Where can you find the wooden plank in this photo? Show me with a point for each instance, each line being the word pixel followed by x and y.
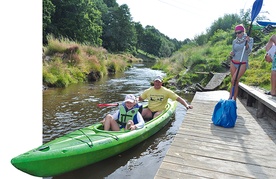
pixel 203 150
pixel 215 81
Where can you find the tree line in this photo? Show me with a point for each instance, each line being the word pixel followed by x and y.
pixel 103 23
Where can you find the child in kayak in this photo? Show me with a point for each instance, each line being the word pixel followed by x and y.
pixel 128 116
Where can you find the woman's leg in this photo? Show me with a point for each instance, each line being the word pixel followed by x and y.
pixel 232 71
pixel 233 75
pixel 273 83
pixel 273 39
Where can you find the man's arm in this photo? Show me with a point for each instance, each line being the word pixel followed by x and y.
pixel 184 103
pixel 140 98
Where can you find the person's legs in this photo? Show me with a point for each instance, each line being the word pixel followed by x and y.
pixel 234 71
pixel 157 113
pixel 147 114
pixel 110 123
pixel 273 83
pixel 270 43
pixel 273 39
pixel 273 76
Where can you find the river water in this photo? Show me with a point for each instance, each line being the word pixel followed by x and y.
pixel 75 107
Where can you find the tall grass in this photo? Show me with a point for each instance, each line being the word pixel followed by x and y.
pixel 66 62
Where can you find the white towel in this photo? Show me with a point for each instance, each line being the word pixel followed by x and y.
pixel 271 52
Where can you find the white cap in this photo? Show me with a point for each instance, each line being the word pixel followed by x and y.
pixel 158 78
pixel 130 98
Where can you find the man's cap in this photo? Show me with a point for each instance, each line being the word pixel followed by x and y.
pixel 158 78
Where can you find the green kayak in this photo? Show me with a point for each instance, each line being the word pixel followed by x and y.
pixel 86 146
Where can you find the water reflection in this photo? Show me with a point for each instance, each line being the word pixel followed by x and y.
pixel 74 107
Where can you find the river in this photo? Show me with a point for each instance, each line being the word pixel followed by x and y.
pixel 75 107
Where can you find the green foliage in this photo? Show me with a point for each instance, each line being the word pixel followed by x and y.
pixel 54 75
pixel 48 10
pixel 223 24
pixel 119 32
pixel 201 39
pixel 187 80
pixel 214 66
pixel 77 74
pixel 258 74
pixel 73 19
pixel 69 62
pixel 114 66
pixel 220 37
pixel 151 42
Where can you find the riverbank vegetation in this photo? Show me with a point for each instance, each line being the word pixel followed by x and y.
pixel 113 41
pixel 66 62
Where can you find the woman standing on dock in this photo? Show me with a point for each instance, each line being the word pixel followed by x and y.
pixel 241 48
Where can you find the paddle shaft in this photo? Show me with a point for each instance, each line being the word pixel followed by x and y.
pixel 255 11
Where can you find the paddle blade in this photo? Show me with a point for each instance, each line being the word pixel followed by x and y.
pixel 257 6
pixel 106 105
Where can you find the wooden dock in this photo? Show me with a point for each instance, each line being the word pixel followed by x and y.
pixel 202 150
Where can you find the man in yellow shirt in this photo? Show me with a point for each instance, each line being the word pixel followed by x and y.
pixel 158 96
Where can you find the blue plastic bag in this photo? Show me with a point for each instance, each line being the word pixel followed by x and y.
pixel 225 113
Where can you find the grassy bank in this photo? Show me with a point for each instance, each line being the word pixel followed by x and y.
pixel 66 62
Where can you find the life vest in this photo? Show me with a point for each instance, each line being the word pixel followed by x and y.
pixel 125 116
pixel 137 105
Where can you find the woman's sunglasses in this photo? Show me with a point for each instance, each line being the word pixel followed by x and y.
pixel 238 32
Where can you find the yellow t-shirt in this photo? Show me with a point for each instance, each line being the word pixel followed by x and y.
pixel 158 98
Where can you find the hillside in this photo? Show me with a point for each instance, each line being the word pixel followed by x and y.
pixel 192 62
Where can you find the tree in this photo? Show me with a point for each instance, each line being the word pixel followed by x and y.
pixel 140 32
pixel 223 23
pixel 118 30
pixel 151 41
pixel 78 20
pixel 48 10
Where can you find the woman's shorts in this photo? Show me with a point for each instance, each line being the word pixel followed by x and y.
pixel 236 64
pixel 273 68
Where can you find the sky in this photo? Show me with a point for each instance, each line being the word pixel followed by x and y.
pixel 183 19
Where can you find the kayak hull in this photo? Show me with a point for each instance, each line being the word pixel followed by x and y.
pixel 86 146
pixel 266 23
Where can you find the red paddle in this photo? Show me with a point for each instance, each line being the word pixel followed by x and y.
pixel 110 104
